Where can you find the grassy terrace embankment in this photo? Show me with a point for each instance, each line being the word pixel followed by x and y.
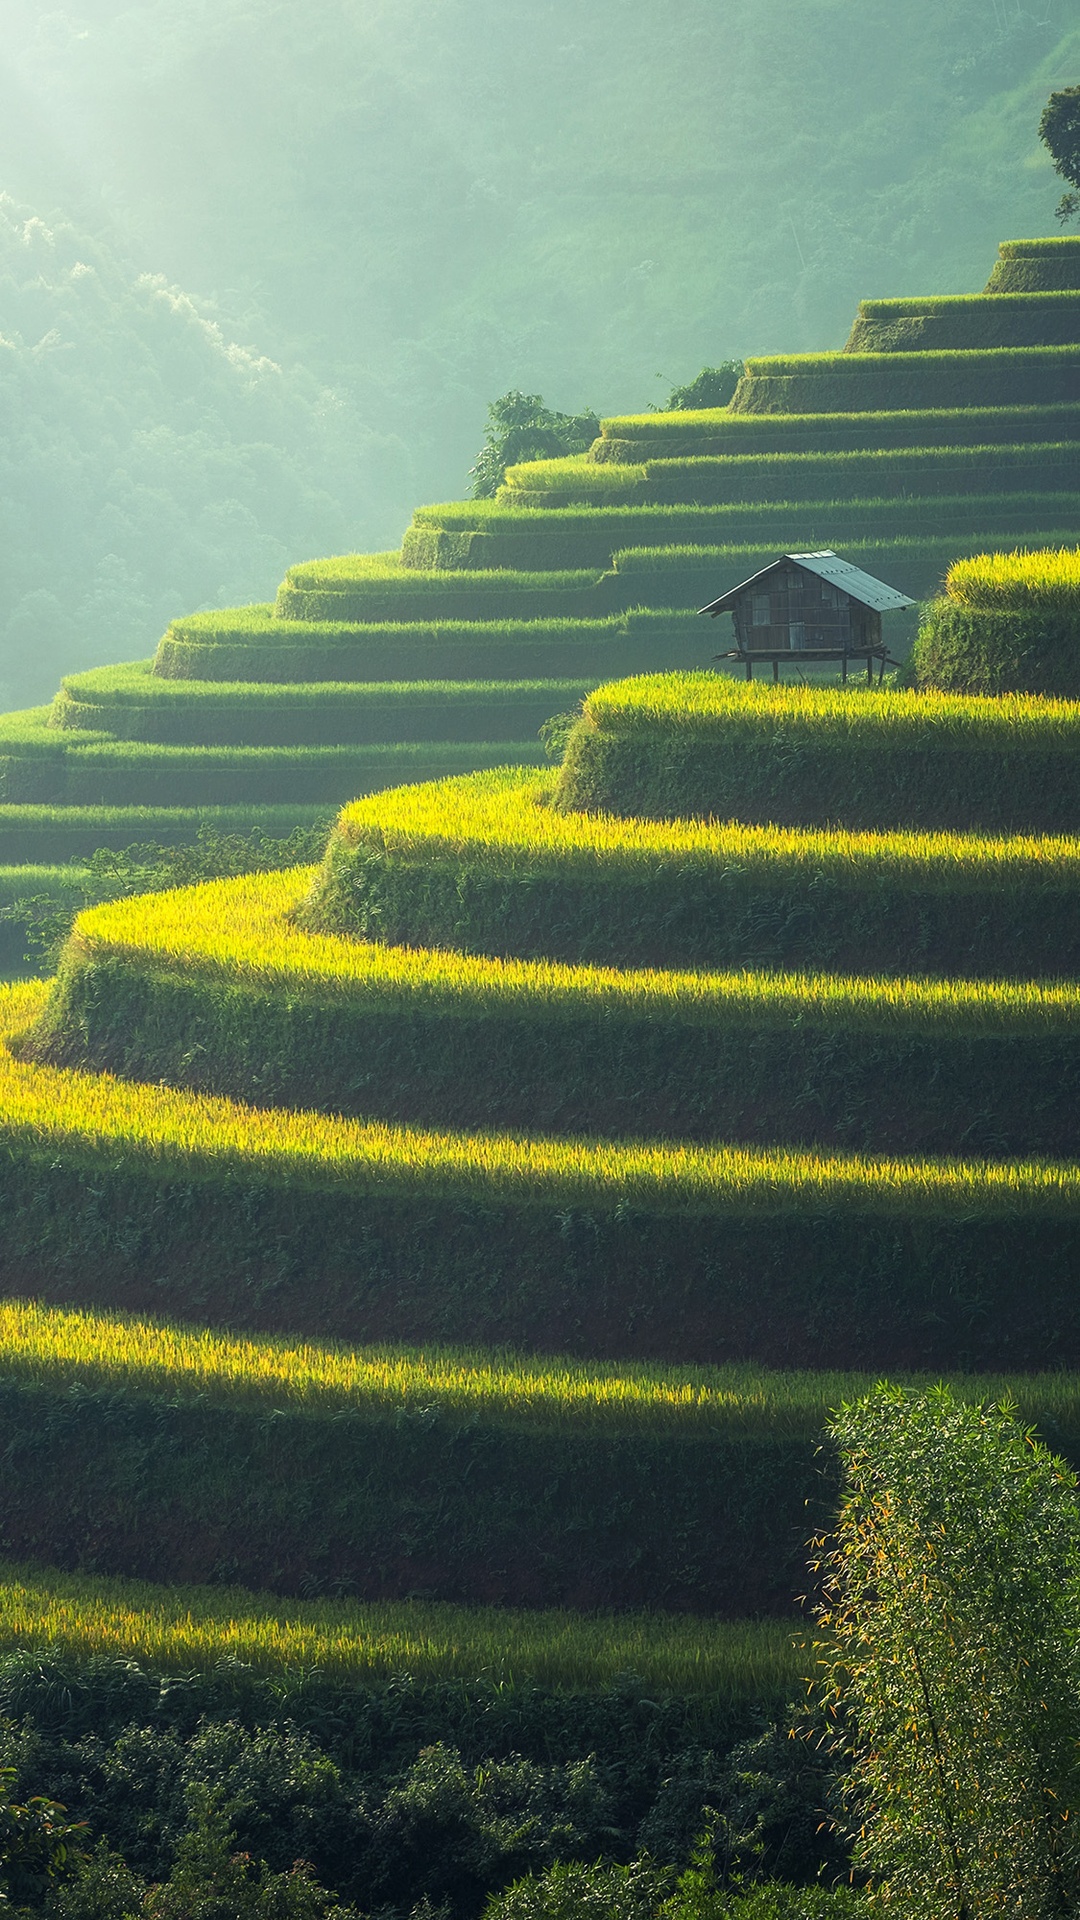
pixel 701 745
pixel 1005 620
pixel 894 382
pixel 279 1219
pixel 659 436
pixel 966 321
pixel 178 1629
pixel 695 1486
pixel 488 864
pixel 493 535
pixel 836 478
pixel 132 703
pixel 216 989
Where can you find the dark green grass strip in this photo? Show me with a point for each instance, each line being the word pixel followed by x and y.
pixel 385 1499
pixel 132 773
pixel 487 650
pixel 592 534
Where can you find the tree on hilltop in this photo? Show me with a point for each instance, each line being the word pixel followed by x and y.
pixel 1059 130
pixel 520 427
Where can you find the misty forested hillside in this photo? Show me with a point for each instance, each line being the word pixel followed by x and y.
pixel 262 267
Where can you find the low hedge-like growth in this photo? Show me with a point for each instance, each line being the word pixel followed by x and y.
pixel 855 382
pixel 644 436
pixel 215 989
pixel 155 1200
pixel 967 320
pixel 131 703
pixel 488 864
pixel 705 746
pixel 1036 266
pixel 981 652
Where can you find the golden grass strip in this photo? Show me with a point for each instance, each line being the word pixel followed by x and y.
pixel 183 1628
pixel 62 1347
pixel 241 931
pixel 1040 582
pixel 700 702
pixel 503 818
pixel 55 1112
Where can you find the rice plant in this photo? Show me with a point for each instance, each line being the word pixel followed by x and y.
pixel 178 1628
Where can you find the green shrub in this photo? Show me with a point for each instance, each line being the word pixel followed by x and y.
pixel 520 427
pixel 712 387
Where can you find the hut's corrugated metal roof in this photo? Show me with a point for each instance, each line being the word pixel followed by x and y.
pixel 828 566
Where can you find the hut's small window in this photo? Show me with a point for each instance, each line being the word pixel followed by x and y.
pixel 761 614
pixel 797 633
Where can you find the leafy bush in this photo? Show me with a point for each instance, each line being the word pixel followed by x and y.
pixel 520 427
pixel 712 387
pixel 949 1633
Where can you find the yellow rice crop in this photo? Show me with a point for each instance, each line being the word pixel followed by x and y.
pixel 697 702
pixel 503 818
pixel 183 1628
pixel 241 930
pixel 1040 582
pixel 55 1111
pixel 122 1354
pixel 125 1354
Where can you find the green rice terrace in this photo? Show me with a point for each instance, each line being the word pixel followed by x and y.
pixel 427 1270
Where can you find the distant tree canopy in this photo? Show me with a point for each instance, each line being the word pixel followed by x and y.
pixel 713 387
pixel 1059 129
pixel 520 427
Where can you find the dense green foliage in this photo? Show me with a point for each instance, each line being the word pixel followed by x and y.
pixel 1059 130
pixel 520 427
pixel 949 1627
